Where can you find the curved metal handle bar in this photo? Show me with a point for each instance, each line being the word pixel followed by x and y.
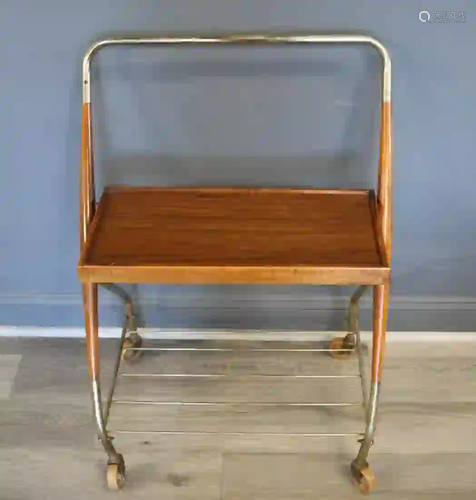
pixel 242 39
pixel 252 39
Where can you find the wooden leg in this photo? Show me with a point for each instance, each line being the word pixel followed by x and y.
pixel 381 297
pixel 90 297
pixel 359 467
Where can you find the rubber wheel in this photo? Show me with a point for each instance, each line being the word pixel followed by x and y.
pixel 129 355
pixel 338 343
pixel 365 480
pixel 116 476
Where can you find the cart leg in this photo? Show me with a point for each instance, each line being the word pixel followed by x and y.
pixel 360 470
pixel 133 340
pixel 342 347
pixel 131 352
pixel 116 466
pixel 353 321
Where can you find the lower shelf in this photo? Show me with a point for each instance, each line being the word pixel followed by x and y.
pixel 238 389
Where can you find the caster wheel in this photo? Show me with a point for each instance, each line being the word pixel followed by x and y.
pixel 129 355
pixel 364 478
pixel 116 476
pixel 338 343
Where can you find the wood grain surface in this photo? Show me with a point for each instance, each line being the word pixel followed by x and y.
pixel 87 198
pixel 232 235
pixel 385 181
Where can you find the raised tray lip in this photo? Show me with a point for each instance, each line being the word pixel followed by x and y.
pixel 115 188
pixel 269 275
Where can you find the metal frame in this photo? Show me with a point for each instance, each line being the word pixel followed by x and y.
pixel 352 341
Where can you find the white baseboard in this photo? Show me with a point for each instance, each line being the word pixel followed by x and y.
pixel 224 334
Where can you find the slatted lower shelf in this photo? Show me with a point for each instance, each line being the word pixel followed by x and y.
pixel 289 390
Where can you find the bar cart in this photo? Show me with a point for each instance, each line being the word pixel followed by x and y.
pixel 237 236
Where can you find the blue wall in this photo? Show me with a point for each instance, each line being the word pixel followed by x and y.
pixel 238 116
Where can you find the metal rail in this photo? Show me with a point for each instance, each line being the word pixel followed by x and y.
pixel 110 396
pixel 227 349
pixel 257 376
pixel 225 403
pixel 241 434
pixel 242 39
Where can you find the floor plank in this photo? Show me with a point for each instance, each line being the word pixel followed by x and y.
pixel 57 473
pixel 8 369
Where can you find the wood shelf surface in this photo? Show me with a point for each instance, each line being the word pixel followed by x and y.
pixel 234 235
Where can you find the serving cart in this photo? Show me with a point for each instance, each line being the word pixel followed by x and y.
pixel 237 236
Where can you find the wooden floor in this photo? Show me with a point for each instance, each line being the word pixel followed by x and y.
pixel 425 445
